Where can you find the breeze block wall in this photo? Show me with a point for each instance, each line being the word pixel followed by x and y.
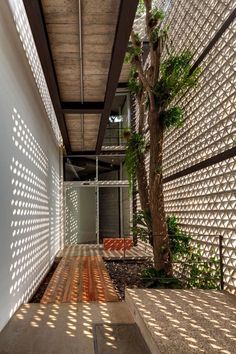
pixel 200 158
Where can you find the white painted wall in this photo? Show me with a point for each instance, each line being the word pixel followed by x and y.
pixel 29 177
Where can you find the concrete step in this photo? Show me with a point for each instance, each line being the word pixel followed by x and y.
pixel 136 311
pixel 181 321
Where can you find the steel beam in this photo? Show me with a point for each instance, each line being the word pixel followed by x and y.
pixel 123 29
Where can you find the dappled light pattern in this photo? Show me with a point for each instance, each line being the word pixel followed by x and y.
pixel 118 244
pixel 141 251
pixel 64 328
pixel 209 111
pixel 81 250
pixel 72 221
pixel 27 40
pixel 35 220
pixel 204 205
pixel 118 338
pixel 55 213
pixel 80 279
pixel 186 321
pixel 194 23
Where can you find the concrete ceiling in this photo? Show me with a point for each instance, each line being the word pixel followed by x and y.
pixel 76 84
pixel 81 45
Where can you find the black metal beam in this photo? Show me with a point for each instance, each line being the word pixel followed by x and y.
pixel 203 164
pixel 93 152
pixel 82 108
pixel 81 153
pixel 76 160
pixel 123 29
pixel 122 85
pixel 214 40
pixel 38 27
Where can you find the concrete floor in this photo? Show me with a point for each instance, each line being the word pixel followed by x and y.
pixel 171 321
pixel 59 329
pixel 185 321
pixel 141 251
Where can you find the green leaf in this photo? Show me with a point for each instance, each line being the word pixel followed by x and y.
pixel 135 147
pixel 176 78
pixel 172 117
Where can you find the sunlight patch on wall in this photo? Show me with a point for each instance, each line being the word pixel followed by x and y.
pixel 72 222
pixel 36 219
pixel 209 111
pixel 26 37
pixel 204 204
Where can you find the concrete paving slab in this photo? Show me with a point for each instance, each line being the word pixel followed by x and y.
pixel 139 252
pixel 81 250
pixel 59 329
pixel 119 339
pixel 185 321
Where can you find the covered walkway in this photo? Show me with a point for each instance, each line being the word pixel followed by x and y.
pixel 67 115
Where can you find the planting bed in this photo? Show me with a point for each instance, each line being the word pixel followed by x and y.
pixel 127 274
pixel 43 286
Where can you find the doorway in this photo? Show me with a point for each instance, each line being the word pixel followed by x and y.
pixel 80 214
pixel 97 202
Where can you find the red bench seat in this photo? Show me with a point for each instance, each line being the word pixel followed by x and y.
pixel 117 244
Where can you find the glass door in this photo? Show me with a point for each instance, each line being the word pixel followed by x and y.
pixel 80 214
pixel 114 212
pixel 97 202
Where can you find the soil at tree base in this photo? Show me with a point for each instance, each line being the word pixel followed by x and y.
pixel 127 274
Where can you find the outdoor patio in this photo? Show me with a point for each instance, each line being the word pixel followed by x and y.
pixel 171 321
pixel 117 170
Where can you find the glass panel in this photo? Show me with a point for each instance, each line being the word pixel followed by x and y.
pixel 81 168
pixel 119 121
pixel 109 223
pixel 114 212
pixel 80 215
pixel 126 211
pixel 111 168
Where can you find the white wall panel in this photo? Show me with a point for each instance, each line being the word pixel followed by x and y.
pixel 30 219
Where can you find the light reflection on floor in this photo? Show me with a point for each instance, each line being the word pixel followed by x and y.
pixel 64 328
pixel 188 321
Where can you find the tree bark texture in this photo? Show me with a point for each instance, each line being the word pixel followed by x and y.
pixel 161 250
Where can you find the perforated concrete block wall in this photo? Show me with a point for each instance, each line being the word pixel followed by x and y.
pixel 204 200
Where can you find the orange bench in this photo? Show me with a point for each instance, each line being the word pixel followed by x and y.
pixel 117 244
